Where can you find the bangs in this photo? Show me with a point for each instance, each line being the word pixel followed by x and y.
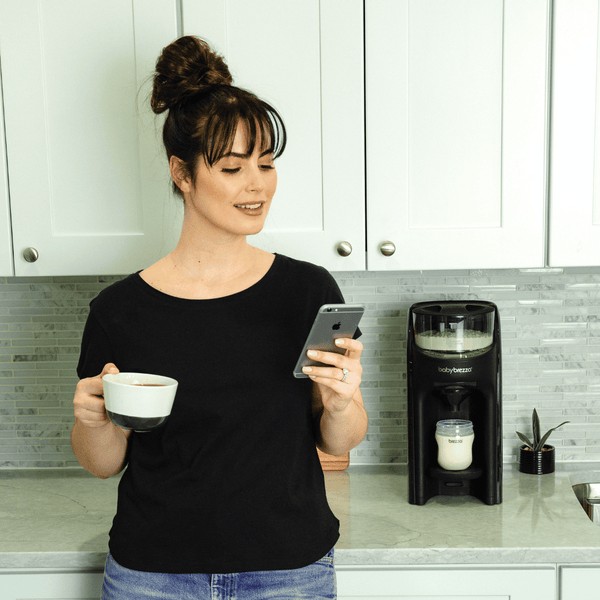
pixel 260 120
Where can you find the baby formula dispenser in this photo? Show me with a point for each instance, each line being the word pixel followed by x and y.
pixel 454 401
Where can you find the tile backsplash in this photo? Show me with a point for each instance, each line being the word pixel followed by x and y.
pixel 550 321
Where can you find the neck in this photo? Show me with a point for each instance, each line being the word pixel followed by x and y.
pixel 210 260
pixel 197 269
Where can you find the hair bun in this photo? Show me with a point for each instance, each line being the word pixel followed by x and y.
pixel 186 67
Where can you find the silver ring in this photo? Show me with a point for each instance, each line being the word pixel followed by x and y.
pixel 345 372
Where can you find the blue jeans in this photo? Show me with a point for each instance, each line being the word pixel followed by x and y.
pixel 315 582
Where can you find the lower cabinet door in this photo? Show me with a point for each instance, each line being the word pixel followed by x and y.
pixel 50 586
pixel 536 582
pixel 579 582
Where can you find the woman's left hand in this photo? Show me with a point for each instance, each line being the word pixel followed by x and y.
pixel 339 382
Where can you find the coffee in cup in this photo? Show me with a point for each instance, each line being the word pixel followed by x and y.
pixel 138 401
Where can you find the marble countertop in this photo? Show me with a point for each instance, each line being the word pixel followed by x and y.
pixel 60 518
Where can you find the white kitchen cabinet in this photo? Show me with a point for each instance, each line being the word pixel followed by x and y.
pixel 534 582
pixel 579 581
pixel 456 130
pixel 575 147
pixel 306 59
pixel 28 585
pixel 89 184
pixel 6 260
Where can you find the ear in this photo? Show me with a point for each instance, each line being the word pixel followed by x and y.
pixel 179 174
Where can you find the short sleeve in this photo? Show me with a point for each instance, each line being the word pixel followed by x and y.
pixel 96 349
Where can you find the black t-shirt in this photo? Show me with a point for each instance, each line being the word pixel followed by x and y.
pixel 232 481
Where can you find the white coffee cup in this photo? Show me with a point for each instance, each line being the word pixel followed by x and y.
pixel 138 401
pixel 455 443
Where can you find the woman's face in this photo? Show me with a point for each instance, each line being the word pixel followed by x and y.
pixel 234 195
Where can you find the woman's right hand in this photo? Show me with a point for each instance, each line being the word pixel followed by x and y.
pixel 89 399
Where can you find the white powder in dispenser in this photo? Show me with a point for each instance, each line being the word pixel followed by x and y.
pixel 455 443
pixel 463 340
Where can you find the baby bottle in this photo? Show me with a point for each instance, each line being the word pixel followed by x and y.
pixel 455 443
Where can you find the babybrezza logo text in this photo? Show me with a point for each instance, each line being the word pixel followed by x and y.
pixel 454 370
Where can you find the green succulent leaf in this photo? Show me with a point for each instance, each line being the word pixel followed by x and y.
pixel 525 439
pixel 541 443
pixel 535 424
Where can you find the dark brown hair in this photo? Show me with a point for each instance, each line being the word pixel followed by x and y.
pixel 194 85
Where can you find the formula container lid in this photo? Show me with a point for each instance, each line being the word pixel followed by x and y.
pixel 454 427
pixel 454 308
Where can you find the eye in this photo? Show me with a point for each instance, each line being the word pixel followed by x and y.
pixel 267 167
pixel 231 171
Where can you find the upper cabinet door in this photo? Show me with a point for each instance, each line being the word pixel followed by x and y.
pixel 89 182
pixel 575 147
pixel 6 259
pixel 456 105
pixel 306 59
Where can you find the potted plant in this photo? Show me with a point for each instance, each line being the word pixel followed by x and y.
pixel 536 457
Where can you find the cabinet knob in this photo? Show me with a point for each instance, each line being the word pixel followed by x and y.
pixel 30 255
pixel 344 248
pixel 387 248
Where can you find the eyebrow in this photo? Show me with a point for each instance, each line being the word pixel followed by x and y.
pixel 245 156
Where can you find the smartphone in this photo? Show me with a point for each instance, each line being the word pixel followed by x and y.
pixel 333 321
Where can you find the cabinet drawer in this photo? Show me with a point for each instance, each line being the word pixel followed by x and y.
pixel 52 586
pixel 447 583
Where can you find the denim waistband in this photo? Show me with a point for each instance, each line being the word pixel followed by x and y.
pixel 315 582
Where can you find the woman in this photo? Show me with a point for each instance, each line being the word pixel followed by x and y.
pixel 228 496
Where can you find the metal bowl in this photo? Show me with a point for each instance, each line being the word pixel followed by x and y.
pixel 588 495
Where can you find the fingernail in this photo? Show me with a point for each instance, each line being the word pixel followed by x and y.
pixel 311 353
pixel 307 369
pixel 340 342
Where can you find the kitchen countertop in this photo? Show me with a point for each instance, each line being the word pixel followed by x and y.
pixel 59 518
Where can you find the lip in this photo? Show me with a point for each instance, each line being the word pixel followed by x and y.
pixel 254 212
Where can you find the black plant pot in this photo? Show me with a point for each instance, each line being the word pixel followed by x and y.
pixel 536 463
